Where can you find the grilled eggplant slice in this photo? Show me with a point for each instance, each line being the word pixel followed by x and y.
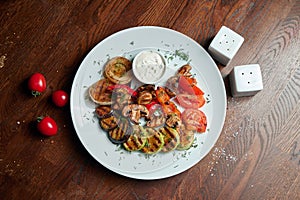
pixel 171 138
pixel 136 140
pixel 121 133
pixel 109 123
pixel 154 142
pixel 103 111
pixel 186 138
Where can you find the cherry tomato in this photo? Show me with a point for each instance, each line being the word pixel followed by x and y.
pixel 47 126
pixel 60 98
pixel 37 84
pixel 194 119
pixel 190 101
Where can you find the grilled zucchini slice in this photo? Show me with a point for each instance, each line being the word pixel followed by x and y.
pixel 171 138
pixel 103 111
pixel 136 140
pixel 186 138
pixel 154 142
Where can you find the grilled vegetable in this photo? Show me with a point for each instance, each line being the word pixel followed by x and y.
pixel 146 87
pixel 194 119
pixel 156 116
pixel 120 98
pixel 121 133
pixel 103 111
pixel 190 101
pixel 172 85
pixel 118 86
pixel 162 95
pixel 135 112
pixel 186 138
pixel 171 138
pixel 170 108
pixel 185 70
pixel 170 92
pixel 173 120
pixel 144 98
pixel 109 123
pixel 118 70
pixel 99 94
pixel 154 142
pixel 163 127
pixel 188 85
pixel 136 140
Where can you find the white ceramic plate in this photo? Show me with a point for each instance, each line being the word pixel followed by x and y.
pixel 178 49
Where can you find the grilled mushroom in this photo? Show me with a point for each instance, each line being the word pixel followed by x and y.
pixel 146 87
pixel 144 97
pixel 185 70
pixel 173 121
pixel 135 112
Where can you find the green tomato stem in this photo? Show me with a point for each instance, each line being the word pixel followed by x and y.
pixel 36 93
pixel 39 119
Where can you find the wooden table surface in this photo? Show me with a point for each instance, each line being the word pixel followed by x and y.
pixel 257 155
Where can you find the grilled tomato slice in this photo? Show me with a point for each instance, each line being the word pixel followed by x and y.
pixel 194 119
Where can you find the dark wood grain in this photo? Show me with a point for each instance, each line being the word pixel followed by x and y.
pixel 258 153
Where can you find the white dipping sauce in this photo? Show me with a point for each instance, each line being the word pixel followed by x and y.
pixel 149 66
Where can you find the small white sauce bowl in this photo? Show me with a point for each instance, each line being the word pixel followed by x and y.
pixel 149 67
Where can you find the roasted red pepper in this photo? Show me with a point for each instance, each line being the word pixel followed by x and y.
pixel 152 103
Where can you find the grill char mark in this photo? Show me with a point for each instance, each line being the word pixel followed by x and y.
pixel 170 139
pixel 154 141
